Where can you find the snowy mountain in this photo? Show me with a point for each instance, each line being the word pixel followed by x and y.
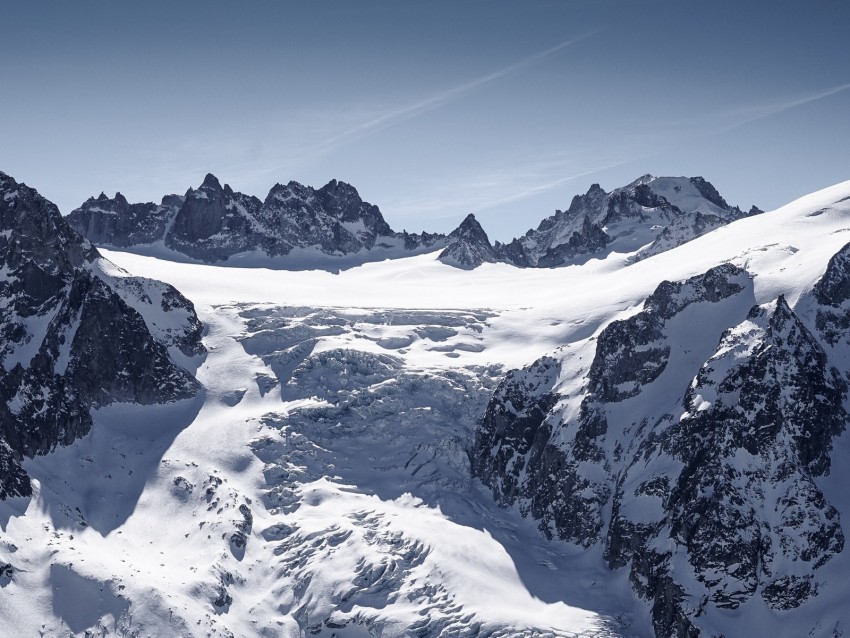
pixel 299 227
pixel 295 225
pixel 624 446
pixel 78 334
pixel 650 215
pixel 469 246
pixel 695 469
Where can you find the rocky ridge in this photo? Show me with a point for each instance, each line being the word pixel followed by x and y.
pixel 687 451
pixel 214 223
pixel 650 215
pixel 116 222
pixel 78 334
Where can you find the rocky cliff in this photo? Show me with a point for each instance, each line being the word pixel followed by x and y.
pixel 213 223
pixel 689 449
pixel 469 246
pixel 77 333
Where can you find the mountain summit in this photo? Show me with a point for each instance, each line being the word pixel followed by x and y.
pixel 470 247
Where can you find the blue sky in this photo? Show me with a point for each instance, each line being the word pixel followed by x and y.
pixel 431 109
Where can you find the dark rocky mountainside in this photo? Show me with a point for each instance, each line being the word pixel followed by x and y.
pixel 115 222
pixel 213 223
pixel 688 450
pixel 77 333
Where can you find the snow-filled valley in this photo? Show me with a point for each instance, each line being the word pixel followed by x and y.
pixel 321 484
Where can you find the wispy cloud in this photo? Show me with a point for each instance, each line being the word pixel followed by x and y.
pixel 389 117
pixel 765 110
pixel 250 156
pixel 449 95
pixel 488 189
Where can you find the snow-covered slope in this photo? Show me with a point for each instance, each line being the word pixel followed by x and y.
pixel 325 485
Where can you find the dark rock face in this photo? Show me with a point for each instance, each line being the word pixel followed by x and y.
pixel 513 426
pixel 7 572
pixel 832 293
pixel 704 490
pixel 743 512
pixel 708 191
pixel 13 479
pixel 664 212
pixel 239 538
pixel 590 239
pixel 333 218
pixel 75 337
pixel 115 222
pixel 470 247
pixel 213 222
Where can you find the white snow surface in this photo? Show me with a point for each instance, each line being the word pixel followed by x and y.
pixel 681 192
pixel 337 409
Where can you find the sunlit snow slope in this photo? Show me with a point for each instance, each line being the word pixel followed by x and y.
pixel 321 485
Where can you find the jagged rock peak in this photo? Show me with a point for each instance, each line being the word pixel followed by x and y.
pixel 40 231
pixel 717 283
pixel 595 189
pixel 833 288
pixel 211 182
pixel 174 201
pixel 10 188
pixel 470 228
pixel 643 179
pixel 651 214
pixel 117 223
pixel 290 189
pixel 830 301
pixel 340 189
pixel 708 191
pixel 470 247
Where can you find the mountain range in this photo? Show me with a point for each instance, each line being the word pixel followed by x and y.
pixel 298 226
pixel 650 442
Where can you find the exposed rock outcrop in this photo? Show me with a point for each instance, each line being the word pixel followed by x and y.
pixel 688 451
pixel 470 247
pixel 77 333
pixel 214 223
